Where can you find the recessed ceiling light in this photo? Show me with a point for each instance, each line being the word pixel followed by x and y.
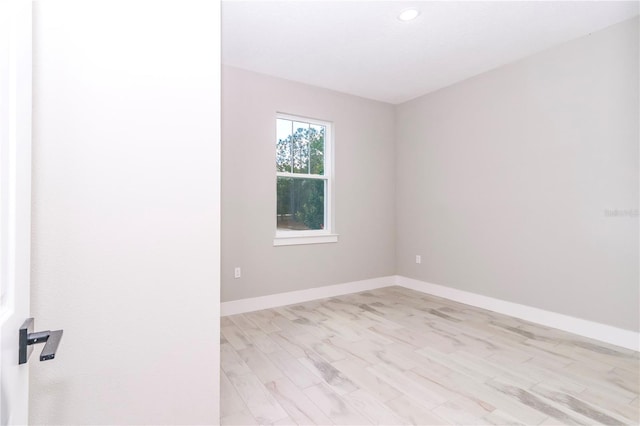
pixel 408 14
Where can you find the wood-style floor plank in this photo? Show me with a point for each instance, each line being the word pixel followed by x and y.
pixel 296 403
pixel 397 356
pixel 230 402
pixel 260 402
pixel 334 406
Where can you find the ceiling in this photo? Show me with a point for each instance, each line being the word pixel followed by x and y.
pixel 362 48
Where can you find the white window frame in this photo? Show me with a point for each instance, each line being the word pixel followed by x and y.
pixel 317 236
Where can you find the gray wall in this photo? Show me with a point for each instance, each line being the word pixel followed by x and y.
pixel 503 181
pixel 364 188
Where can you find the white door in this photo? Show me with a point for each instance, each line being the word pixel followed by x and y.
pixel 15 202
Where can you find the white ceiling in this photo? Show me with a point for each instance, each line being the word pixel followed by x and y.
pixel 361 48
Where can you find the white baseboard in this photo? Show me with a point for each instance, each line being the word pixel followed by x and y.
pixel 594 330
pixel 282 299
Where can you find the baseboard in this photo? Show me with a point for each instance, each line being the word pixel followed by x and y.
pixel 605 333
pixel 282 299
pixel 594 330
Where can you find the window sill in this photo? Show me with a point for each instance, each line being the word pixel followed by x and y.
pixel 286 240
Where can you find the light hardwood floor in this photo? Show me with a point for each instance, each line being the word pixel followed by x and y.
pixel 396 356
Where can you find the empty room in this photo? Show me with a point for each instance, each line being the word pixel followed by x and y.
pixel 319 212
pixel 449 231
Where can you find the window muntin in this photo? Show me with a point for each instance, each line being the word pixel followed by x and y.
pixel 303 178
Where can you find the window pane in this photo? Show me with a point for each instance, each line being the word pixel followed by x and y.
pixel 283 145
pixel 300 126
pixel 300 144
pixel 300 203
pixel 316 150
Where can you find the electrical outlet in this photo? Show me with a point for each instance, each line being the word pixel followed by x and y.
pixel 418 258
pixel 237 272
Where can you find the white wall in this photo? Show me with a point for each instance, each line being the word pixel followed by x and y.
pixel 126 211
pixel 364 188
pixel 503 181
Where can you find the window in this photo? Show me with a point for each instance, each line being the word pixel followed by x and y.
pixel 303 181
